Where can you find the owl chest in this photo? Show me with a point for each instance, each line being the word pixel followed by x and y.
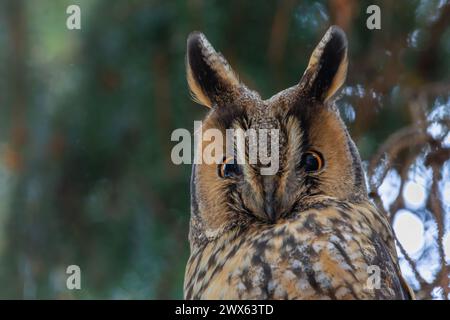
pixel 304 259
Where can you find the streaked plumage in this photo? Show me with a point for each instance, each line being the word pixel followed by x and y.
pixel 297 234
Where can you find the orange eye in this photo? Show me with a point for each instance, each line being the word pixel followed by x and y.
pixel 229 168
pixel 312 161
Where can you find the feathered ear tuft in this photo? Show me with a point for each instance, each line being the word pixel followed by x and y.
pixel 209 76
pixel 327 67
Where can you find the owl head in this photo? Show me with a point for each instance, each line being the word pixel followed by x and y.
pixel 317 158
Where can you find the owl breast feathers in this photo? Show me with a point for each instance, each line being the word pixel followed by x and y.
pixel 305 231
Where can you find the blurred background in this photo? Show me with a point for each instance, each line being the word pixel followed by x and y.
pixel 86 117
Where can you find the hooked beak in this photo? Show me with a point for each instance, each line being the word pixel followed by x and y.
pixel 272 207
pixel 271 213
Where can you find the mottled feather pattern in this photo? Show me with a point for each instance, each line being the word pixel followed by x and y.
pixel 308 231
pixel 320 253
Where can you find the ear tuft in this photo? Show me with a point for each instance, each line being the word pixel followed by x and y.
pixel 209 76
pixel 327 67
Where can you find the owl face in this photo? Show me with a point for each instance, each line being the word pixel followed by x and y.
pixel 316 158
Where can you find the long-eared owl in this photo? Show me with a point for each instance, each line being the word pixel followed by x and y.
pixel 307 231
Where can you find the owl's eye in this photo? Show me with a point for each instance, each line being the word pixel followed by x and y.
pixel 229 168
pixel 312 161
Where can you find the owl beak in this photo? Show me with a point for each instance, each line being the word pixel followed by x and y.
pixel 271 213
pixel 272 209
pixel 271 201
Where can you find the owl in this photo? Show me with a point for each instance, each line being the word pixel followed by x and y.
pixel 307 231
